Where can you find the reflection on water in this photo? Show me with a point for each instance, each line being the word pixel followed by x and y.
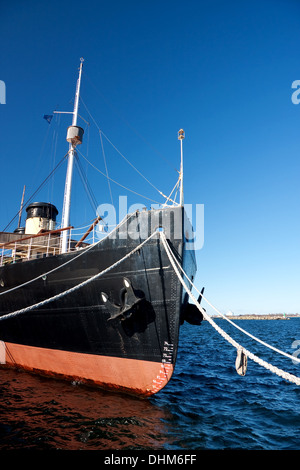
pixel 206 405
pixel 42 413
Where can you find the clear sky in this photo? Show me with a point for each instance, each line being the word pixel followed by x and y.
pixel 221 70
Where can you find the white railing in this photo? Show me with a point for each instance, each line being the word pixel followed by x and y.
pixel 47 243
pixel 32 246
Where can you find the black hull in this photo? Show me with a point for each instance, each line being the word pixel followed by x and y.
pixel 129 317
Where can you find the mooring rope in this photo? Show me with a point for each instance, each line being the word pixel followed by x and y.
pixel 274 369
pixel 82 252
pixel 78 286
pixel 174 262
pixel 234 324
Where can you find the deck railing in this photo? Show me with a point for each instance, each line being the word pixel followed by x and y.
pixel 18 248
pixel 44 244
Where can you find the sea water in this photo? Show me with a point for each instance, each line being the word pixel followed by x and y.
pixel 205 406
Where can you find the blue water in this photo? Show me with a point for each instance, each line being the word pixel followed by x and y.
pixel 206 405
pixel 214 408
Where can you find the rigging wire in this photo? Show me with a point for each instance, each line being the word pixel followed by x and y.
pixel 84 179
pixel 104 158
pixel 129 125
pixel 38 189
pixel 53 153
pixel 86 184
pixel 129 163
pixel 119 184
pixel 169 197
pixel 120 153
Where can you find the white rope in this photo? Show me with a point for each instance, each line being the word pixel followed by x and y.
pixel 82 252
pixel 234 324
pixel 78 286
pixel 173 261
pixel 276 370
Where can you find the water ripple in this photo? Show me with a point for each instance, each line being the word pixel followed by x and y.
pixel 206 405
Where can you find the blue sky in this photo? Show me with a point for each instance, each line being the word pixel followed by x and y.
pixel 221 70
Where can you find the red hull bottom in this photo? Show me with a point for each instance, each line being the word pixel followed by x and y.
pixel 136 377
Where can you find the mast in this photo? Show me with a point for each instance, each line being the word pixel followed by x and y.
pixel 181 136
pixel 21 207
pixel 74 137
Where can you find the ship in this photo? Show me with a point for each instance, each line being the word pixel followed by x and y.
pixel 105 313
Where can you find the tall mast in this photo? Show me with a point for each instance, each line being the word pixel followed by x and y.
pixel 21 207
pixel 181 136
pixel 74 137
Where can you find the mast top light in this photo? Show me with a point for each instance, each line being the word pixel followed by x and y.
pixel 181 134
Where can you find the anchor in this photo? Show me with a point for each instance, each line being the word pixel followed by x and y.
pixel 130 299
pixel 113 309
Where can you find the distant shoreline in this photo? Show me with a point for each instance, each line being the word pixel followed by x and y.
pixel 271 316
